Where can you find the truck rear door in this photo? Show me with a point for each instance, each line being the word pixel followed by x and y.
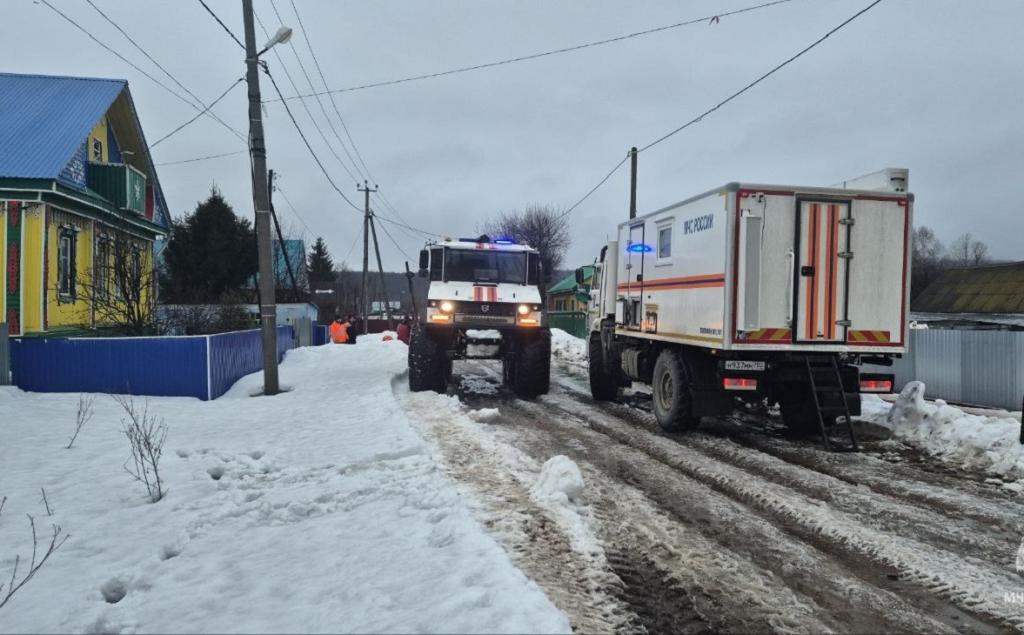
pixel 821 274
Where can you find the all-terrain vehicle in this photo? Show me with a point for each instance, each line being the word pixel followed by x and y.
pixel 484 302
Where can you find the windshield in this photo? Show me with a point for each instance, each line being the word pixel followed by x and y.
pixel 485 265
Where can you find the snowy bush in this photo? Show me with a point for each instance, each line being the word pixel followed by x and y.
pixel 56 540
pixel 82 417
pixel 146 434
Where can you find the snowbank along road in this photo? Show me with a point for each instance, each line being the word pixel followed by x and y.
pixel 733 528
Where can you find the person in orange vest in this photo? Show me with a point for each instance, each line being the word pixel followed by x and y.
pixel 339 331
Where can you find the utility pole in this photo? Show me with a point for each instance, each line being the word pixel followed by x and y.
pixel 380 268
pixel 416 313
pixel 632 183
pixel 366 252
pixel 261 203
pixel 280 239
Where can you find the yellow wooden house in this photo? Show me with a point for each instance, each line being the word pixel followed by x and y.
pixel 77 184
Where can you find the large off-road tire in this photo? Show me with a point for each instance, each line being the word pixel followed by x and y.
pixel 429 367
pixel 531 375
pixel 604 386
pixel 672 401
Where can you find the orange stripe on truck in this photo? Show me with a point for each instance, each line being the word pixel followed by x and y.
pixel 687 282
pixel 869 337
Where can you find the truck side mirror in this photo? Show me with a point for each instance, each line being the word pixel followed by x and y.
pixel 580 276
pixel 424 262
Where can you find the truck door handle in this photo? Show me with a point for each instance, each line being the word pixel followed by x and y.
pixel 806 270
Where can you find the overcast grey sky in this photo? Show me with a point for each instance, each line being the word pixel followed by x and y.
pixel 936 86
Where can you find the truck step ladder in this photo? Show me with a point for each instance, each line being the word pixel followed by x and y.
pixel 829 398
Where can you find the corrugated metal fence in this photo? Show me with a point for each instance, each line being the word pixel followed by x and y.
pixel 5 356
pixel 572 322
pixel 984 368
pixel 201 366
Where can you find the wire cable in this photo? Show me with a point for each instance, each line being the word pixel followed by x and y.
pixel 309 113
pixel 759 79
pixel 533 56
pixel 384 229
pixel 223 26
pixel 127 61
pixel 719 105
pixel 161 67
pixel 312 153
pixel 211 156
pixel 200 114
pixel 278 189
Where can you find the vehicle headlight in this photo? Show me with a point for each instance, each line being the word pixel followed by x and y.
pixel 447 306
pixel 523 309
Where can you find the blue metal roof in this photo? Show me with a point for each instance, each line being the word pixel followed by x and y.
pixel 44 120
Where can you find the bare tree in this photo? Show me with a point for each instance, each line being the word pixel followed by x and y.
pixel 928 254
pixel 542 227
pixel 56 541
pixel 146 434
pixel 121 287
pixel 83 416
pixel 966 251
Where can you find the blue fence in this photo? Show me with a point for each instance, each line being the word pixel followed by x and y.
pixel 201 366
pixel 320 336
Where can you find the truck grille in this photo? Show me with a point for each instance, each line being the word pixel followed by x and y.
pixel 461 318
pixel 494 308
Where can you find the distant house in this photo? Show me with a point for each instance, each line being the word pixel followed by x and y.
pixel 565 310
pixel 985 296
pixel 76 176
pixel 292 252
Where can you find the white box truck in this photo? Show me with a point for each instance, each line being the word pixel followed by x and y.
pixel 774 292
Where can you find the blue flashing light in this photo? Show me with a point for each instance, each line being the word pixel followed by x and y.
pixel 640 248
pixel 504 241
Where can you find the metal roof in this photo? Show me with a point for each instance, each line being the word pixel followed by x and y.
pixel 982 289
pixel 568 283
pixel 44 120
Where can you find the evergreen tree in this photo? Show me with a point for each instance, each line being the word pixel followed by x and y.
pixel 321 265
pixel 211 253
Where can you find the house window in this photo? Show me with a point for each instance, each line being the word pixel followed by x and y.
pixel 97 150
pixel 664 242
pixel 66 264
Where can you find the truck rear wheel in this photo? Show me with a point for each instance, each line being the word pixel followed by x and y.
pixel 603 385
pixel 531 374
pixel 673 405
pixel 429 367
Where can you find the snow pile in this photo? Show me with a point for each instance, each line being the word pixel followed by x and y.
pixel 317 510
pixel 990 444
pixel 567 348
pixel 560 481
pixel 484 414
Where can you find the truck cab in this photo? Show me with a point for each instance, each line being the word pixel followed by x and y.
pixel 483 302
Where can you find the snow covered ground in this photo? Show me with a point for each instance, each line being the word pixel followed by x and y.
pixel 317 510
pixel 567 348
pixel 974 441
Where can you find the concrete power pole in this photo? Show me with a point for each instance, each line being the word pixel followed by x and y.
pixel 380 268
pixel 261 202
pixel 364 301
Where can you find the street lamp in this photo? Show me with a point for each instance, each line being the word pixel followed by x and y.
pixel 261 197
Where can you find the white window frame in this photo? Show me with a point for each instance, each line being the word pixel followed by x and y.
pixel 662 225
pixel 66 264
pixel 97 157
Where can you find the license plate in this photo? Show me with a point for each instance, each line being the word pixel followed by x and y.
pixel 740 364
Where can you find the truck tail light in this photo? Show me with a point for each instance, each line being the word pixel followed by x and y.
pixel 876 385
pixel 739 383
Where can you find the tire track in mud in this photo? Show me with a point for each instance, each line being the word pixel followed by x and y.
pixel 975 587
pixel 746 571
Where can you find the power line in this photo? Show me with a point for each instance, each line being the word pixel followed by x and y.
pixel 720 104
pixel 211 156
pixel 760 79
pixel 308 146
pixel 395 243
pixel 223 26
pixel 126 60
pixel 292 207
pixel 410 227
pixel 165 71
pixel 309 113
pixel 201 113
pixel 533 56
pixel 337 111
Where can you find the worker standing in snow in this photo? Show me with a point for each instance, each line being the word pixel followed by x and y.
pixel 339 331
pixel 403 331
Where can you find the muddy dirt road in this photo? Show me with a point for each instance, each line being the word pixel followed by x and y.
pixel 732 528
